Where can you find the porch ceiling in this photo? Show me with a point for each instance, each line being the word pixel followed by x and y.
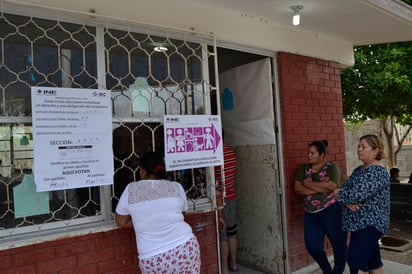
pixel 358 22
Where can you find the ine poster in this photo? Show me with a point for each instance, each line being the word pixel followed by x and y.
pixel 72 137
pixel 192 141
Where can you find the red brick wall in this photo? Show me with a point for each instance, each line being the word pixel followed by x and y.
pixel 311 109
pixel 105 252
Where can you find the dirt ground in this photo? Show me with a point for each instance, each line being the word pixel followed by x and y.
pixel 399 229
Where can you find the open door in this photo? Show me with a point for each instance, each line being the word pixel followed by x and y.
pixel 247 109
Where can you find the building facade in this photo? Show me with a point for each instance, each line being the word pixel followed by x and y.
pixel 158 58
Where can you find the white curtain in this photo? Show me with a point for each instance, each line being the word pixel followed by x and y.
pixel 247 104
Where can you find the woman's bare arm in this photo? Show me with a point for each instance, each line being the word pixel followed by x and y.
pixel 299 188
pixel 322 187
pixel 123 220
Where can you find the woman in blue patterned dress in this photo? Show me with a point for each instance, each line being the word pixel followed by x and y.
pixel 366 213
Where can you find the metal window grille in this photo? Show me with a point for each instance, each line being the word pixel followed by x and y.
pixel 146 82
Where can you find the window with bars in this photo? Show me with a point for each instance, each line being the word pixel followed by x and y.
pixel 146 82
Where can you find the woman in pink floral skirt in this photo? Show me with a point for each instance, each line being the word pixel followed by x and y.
pixel 154 207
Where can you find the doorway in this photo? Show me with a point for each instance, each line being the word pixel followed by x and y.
pixel 248 119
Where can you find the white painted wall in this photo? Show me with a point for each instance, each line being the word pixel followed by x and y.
pixel 229 27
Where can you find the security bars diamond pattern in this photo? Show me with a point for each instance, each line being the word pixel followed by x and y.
pixel 98 53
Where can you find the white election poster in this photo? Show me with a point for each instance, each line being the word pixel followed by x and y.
pixel 72 137
pixel 192 141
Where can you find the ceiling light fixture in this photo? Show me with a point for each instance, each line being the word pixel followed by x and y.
pixel 296 16
pixel 160 49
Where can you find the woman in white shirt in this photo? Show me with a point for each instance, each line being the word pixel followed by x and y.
pixel 154 207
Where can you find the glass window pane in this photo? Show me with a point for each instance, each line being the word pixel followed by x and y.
pixel 38 52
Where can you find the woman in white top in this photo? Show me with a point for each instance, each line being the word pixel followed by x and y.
pixel 154 207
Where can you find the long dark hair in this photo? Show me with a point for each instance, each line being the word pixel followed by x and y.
pixel 320 146
pixel 153 163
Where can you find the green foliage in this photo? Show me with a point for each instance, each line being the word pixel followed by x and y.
pixel 379 85
pixel 407 2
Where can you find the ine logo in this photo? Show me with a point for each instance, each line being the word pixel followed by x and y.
pixel 46 92
pixel 170 119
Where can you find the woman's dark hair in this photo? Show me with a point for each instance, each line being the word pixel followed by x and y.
pixel 153 163
pixel 394 171
pixel 320 146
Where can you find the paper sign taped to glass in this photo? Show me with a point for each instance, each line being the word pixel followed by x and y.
pixel 28 202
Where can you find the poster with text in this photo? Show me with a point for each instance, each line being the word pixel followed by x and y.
pixel 72 137
pixel 192 141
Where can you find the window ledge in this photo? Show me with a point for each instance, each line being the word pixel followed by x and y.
pixel 50 235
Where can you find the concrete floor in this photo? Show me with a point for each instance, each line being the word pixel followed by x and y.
pixel 389 267
pixel 246 270
pixel 394 262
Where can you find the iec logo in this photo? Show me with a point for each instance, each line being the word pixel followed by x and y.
pixel 99 94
